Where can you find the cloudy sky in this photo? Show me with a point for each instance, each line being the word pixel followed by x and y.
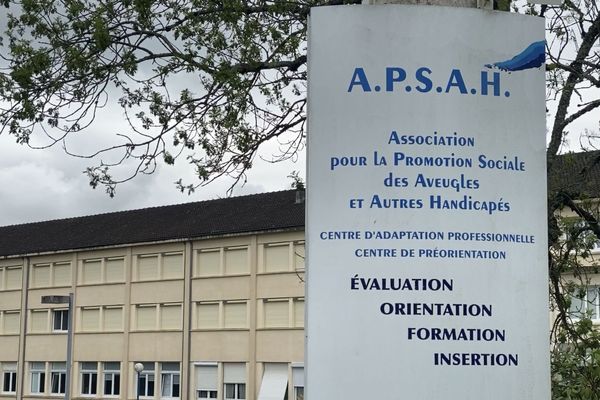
pixel 37 185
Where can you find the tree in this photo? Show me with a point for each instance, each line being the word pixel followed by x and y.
pixel 244 62
pixel 573 78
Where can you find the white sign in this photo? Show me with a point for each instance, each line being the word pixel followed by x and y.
pixel 427 263
pixel 547 2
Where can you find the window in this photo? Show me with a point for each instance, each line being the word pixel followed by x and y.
pixel 38 321
pixel 299 313
pixel 274 383
pixel 170 316
pixel 282 257
pixel 207 315
pixel 283 313
pixel 61 274
pixel 298 382
pixel 60 320
pixel 38 377
pixel 114 269
pixel 147 267
pixel 53 274
pixel 10 278
pixel 112 318
pixel 235 315
pixel 276 313
pixel 58 378
pixel 236 261
pixel 96 319
pixel 89 378
pixel 276 257
pixel 112 378
pixel 169 379
pixel 209 262
pixel 299 256
pixel 9 377
pixel 585 302
pixel 207 379
pixel 234 377
pixel 40 276
pixel 586 238
pixel 146 382
pixel 91 271
pixel 235 391
pixel 231 314
pixel 90 319
pixel 145 317
pixel 101 270
pixel 10 322
pixel 172 266
pixel 207 394
pixel 159 266
pixel 223 261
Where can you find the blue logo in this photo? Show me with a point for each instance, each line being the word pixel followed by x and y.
pixel 533 56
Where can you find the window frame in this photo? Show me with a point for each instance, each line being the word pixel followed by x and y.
pixel 4 277
pixel 90 389
pixel 174 375
pixel 38 312
pixel 209 393
pixel 90 309
pixel 41 378
pixel 297 381
pixel 51 274
pixel 297 395
pixel 3 325
pixel 115 384
pixel 63 320
pixel 144 378
pixel 9 370
pixel 61 376
pixel 278 300
pixel 224 323
pixel 236 390
pixel 586 304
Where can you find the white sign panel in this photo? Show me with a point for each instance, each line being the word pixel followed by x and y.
pixel 427 274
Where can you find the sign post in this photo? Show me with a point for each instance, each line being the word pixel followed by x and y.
pixel 426 203
pixel 69 301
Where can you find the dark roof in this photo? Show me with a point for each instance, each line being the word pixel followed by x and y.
pixel 236 215
pixel 576 174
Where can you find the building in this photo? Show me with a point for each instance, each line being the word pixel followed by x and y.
pixel 208 296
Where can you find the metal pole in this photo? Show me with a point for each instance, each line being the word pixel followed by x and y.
pixel 69 348
pixel 138 367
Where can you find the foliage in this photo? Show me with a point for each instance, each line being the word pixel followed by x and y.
pixel 205 81
pixel 573 79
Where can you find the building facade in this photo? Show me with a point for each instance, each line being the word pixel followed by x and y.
pixel 208 296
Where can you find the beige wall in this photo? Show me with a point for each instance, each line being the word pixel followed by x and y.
pixel 232 302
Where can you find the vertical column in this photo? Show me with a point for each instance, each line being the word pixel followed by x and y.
pixel 23 327
pixel 187 317
pixel 71 355
pixel 251 373
pixel 126 366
